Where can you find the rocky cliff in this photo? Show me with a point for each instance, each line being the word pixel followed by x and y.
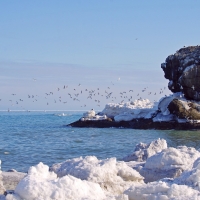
pixel 183 71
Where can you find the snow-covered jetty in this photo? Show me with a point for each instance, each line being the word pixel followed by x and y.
pixel 181 110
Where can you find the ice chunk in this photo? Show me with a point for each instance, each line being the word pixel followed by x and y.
pixel 144 151
pixel 42 184
pixel 162 191
pixel 111 175
pixel 170 162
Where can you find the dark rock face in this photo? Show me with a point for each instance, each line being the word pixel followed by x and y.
pixel 183 71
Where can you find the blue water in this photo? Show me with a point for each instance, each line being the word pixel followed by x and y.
pixel 27 138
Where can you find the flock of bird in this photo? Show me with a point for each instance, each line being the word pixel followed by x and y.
pixel 84 96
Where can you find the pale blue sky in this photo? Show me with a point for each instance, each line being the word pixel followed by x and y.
pixel 92 43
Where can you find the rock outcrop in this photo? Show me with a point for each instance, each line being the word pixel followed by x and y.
pixel 183 71
pixel 184 110
pixel 180 111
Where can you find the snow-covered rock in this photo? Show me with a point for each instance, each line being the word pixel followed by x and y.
pixel 89 114
pixel 129 110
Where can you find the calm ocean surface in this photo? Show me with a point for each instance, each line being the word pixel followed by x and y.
pixel 28 138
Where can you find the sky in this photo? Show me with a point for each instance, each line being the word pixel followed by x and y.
pixel 83 54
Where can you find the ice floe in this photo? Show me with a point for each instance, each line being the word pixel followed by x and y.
pixel 143 151
pixel 112 175
pixel 154 171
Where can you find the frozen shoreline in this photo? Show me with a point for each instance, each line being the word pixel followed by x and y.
pixel 171 112
pixel 151 171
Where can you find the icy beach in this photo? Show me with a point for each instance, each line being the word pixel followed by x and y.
pixel 151 171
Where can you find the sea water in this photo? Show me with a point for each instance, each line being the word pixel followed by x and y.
pixel 27 138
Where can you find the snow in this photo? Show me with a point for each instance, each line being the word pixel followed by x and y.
pixel 163 118
pixel 170 162
pixel 110 174
pixel 143 108
pixel 174 173
pixel 162 191
pixel 89 114
pixel 94 118
pixel 143 151
pixel 42 184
